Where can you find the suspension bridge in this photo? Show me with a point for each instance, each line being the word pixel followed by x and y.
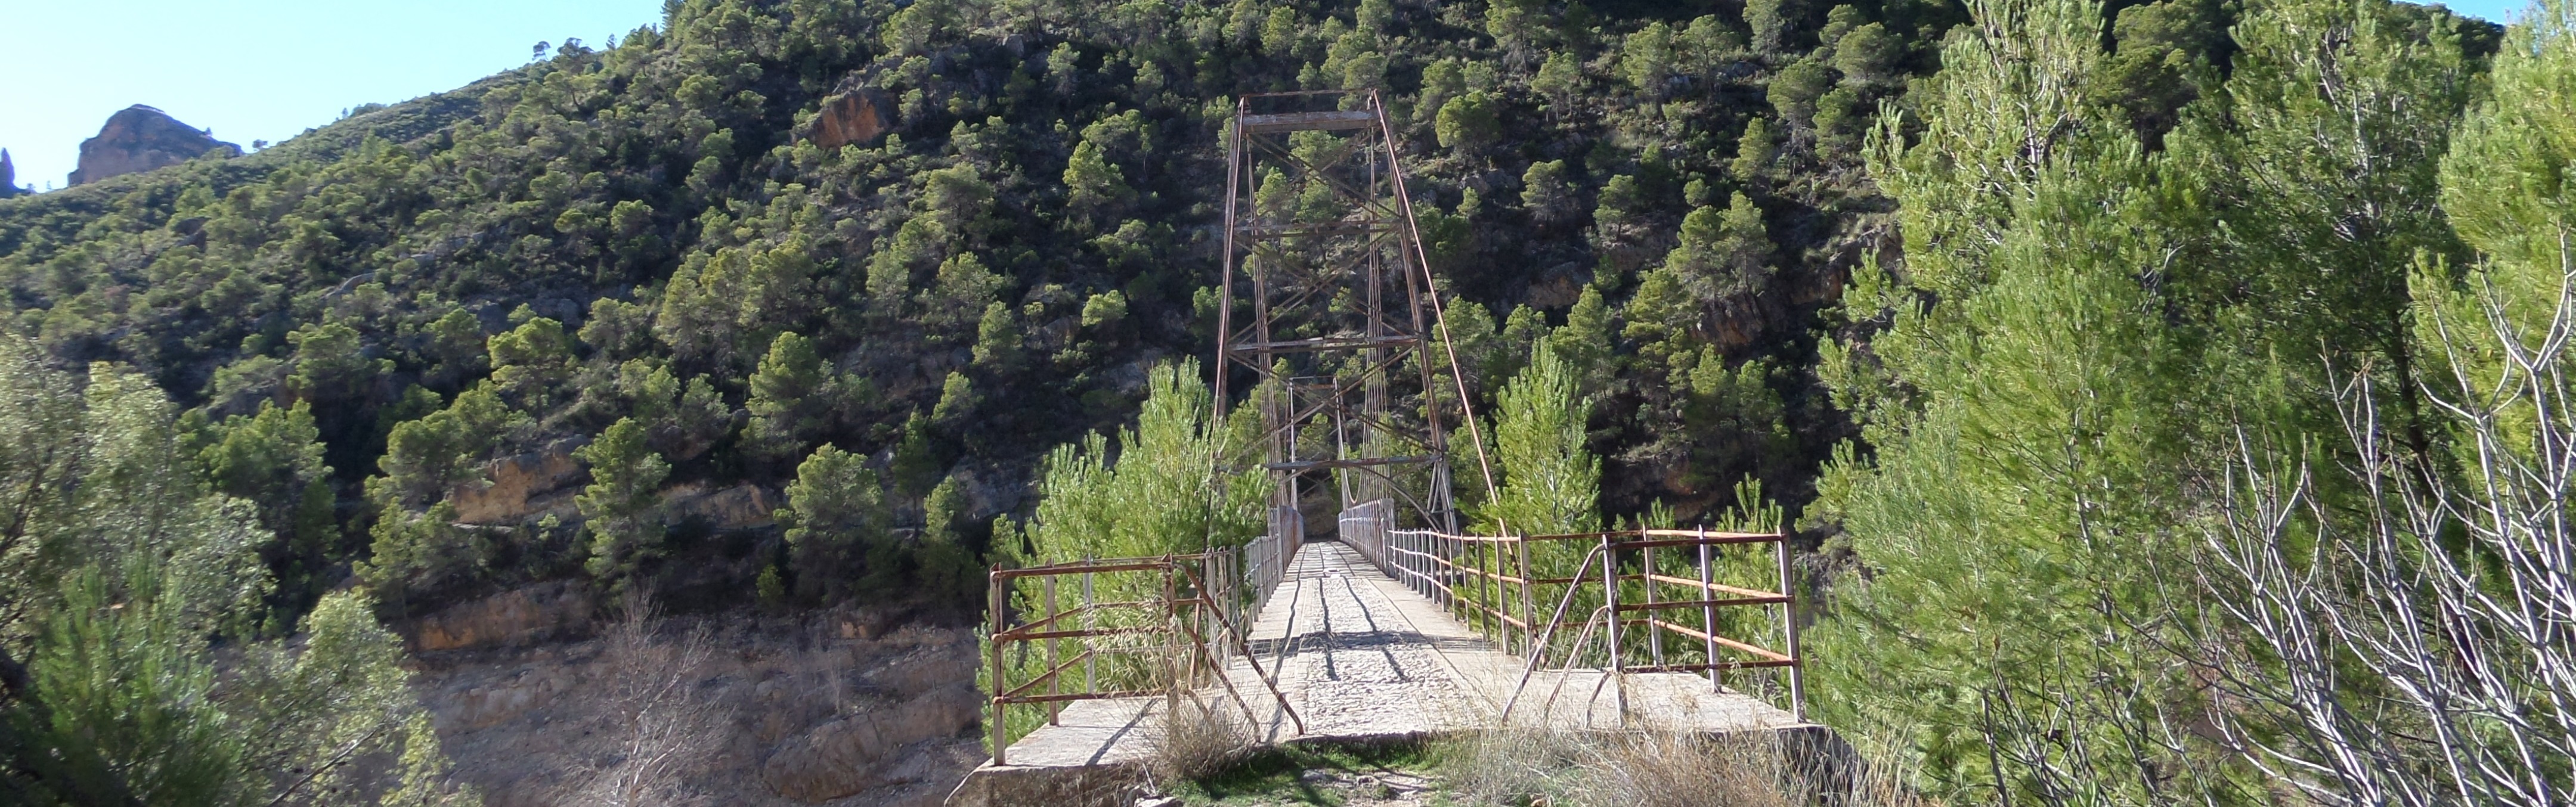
pixel 1395 623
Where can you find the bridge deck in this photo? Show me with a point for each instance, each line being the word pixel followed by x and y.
pixel 1360 657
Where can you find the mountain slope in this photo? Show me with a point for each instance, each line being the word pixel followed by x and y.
pixel 644 234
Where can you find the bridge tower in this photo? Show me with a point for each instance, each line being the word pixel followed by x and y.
pixel 1339 333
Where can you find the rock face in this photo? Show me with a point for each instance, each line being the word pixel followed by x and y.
pixel 509 619
pixel 722 709
pixel 857 116
pixel 742 506
pixel 863 751
pixel 140 138
pixel 8 176
pixel 520 486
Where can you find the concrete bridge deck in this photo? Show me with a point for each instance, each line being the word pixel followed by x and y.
pixel 1360 658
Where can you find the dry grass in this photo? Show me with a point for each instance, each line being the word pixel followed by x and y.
pixel 1198 740
pixel 1563 768
pixel 1508 766
pixel 1656 769
pixel 656 712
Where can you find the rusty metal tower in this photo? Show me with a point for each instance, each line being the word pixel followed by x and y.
pixel 1320 241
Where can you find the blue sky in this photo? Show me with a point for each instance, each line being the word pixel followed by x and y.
pixel 269 70
pixel 257 71
pixel 2497 10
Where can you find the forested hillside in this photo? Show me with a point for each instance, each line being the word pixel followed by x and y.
pixel 2169 396
pixel 639 250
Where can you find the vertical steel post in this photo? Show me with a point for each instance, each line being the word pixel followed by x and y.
pixel 999 730
pixel 1054 648
pixel 1171 635
pixel 1492 561
pixel 1528 604
pixel 1654 633
pixel 1090 679
pixel 1213 650
pixel 1789 627
pixel 1707 613
pixel 1610 603
pixel 1225 278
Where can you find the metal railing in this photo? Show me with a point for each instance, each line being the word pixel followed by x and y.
pixel 1502 586
pixel 1364 527
pixel 1128 627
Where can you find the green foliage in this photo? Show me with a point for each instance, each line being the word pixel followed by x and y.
pixel 2164 55
pixel 2083 328
pixel 1560 78
pixel 1772 22
pixel 330 361
pixel 944 570
pixel 1546 193
pixel 1513 24
pixel 621 503
pixel 425 458
pixel 1095 186
pixel 1867 54
pixel 956 400
pixel 1723 253
pixel 1469 120
pixel 1105 308
pixel 835 515
pixel 1159 495
pixel 1583 343
pixel 492 274
pixel 127 561
pixel 1647 59
pixel 998 340
pixel 795 397
pixel 1549 482
pixel 274 460
pixel 1795 90
pixel 531 360
pixel 121 684
pixel 341 697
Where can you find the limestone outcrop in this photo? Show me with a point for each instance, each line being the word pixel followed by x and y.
pixel 509 619
pixel 8 176
pixel 730 708
pixel 862 751
pixel 857 116
pixel 742 506
pixel 521 486
pixel 140 138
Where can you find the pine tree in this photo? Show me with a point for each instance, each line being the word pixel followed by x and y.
pixel 1546 193
pixel 1754 151
pixel 1647 59
pixel 1469 121
pixel 794 397
pixel 622 503
pixel 997 339
pixel 274 460
pixel 1549 482
pixel 835 513
pixel 1560 78
pixel 2034 458
pixel 1723 253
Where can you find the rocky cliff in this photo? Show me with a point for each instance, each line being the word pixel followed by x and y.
pixel 8 176
pixel 541 704
pixel 140 138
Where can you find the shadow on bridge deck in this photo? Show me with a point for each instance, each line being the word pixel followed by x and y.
pixel 1361 659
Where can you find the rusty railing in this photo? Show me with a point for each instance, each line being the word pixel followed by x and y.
pixel 1630 584
pixel 1161 626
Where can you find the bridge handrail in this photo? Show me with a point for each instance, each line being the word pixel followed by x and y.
pixel 1196 624
pixel 1483 579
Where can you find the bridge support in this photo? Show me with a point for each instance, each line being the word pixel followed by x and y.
pixel 1322 254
